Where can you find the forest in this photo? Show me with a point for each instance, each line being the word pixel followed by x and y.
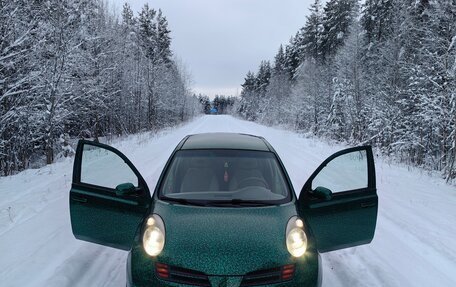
pixel 72 69
pixel 379 72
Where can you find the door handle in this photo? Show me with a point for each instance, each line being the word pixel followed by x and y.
pixel 79 199
pixel 367 204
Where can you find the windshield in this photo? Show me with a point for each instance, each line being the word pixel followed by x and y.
pixel 231 177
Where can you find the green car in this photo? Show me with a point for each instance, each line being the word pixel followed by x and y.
pixel 223 213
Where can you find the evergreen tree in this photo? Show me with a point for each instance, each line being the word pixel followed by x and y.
pixel 312 32
pixel 147 31
pixel 263 76
pixel 249 99
pixel 127 16
pixel 385 77
pixel 163 39
pixel 223 104
pixel 280 63
pixel 337 115
pixel 205 103
pixel 338 16
pixel 292 54
pixel 377 19
pixel 69 69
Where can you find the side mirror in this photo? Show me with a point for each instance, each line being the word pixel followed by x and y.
pixel 322 193
pixel 125 189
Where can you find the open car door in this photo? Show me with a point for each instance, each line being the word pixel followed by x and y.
pixel 339 201
pixel 108 196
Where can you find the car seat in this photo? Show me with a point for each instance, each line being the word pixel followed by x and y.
pixel 200 176
pixel 245 168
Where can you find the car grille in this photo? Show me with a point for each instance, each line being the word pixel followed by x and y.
pixel 269 276
pixel 181 275
pixel 196 278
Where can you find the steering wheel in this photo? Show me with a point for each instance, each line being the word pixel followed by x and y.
pixel 253 181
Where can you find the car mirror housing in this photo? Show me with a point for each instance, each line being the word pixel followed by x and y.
pixel 322 193
pixel 125 189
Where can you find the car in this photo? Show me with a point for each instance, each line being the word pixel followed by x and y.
pixel 223 212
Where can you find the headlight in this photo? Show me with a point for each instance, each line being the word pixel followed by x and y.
pixel 296 237
pixel 154 235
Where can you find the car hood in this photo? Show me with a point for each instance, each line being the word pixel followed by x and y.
pixel 225 240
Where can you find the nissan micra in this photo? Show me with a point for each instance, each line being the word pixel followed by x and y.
pixel 223 212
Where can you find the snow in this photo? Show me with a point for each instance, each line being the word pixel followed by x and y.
pixel 414 243
pixel 340 35
pixel 453 40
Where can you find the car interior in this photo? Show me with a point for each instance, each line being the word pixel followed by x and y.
pixel 226 173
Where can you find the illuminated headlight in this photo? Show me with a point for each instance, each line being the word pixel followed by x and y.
pixel 296 237
pixel 154 235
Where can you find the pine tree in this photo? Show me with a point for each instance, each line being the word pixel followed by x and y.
pixel 147 31
pixel 249 98
pixel 293 55
pixel 377 19
pixel 337 123
pixel 263 76
pixel 280 61
pixel 338 16
pixel 163 39
pixel 312 32
pixel 386 78
pixel 127 16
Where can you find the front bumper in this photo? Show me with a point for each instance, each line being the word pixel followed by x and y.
pixel 141 273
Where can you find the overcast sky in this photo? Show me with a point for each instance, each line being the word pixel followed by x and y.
pixel 219 41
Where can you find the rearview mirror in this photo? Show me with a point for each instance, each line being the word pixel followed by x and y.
pixel 322 193
pixel 125 189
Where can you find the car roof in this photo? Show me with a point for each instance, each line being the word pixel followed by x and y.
pixel 225 141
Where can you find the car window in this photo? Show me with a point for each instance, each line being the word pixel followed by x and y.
pixel 346 172
pixel 104 168
pixel 225 175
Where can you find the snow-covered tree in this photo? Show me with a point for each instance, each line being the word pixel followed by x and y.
pixel 163 39
pixel 385 77
pixel 17 26
pixel 70 69
pixel 312 32
pixel 338 16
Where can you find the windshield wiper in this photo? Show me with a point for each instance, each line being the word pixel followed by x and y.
pixel 182 201
pixel 240 202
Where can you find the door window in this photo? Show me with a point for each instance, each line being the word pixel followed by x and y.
pixel 345 172
pixel 104 168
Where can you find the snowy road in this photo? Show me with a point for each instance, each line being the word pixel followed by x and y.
pixel 414 244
